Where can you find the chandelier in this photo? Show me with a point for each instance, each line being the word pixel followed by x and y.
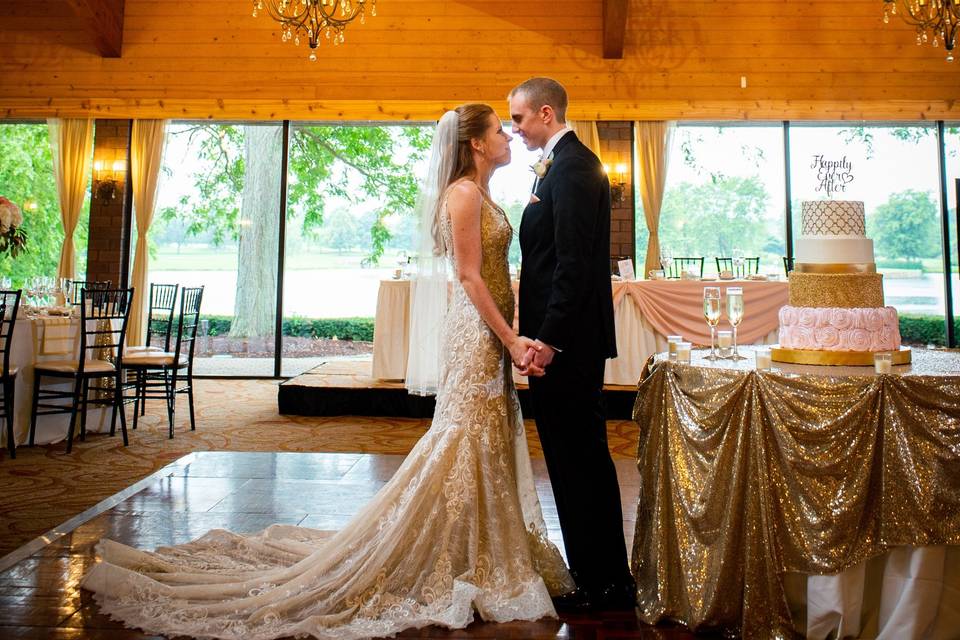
pixel 309 19
pixel 935 20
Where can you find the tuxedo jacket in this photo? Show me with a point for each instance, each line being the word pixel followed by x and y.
pixel 566 298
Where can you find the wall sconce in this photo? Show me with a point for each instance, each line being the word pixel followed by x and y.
pixel 107 183
pixel 618 182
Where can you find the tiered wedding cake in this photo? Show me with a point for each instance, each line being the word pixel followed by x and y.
pixel 836 313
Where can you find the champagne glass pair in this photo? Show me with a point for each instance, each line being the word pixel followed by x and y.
pixel 712 313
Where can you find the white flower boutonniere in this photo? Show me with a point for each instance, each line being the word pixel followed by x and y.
pixel 541 167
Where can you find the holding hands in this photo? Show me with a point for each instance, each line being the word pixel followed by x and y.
pixel 521 349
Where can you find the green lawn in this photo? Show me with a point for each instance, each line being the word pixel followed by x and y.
pixel 222 259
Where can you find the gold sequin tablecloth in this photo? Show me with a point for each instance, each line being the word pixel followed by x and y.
pixel 747 476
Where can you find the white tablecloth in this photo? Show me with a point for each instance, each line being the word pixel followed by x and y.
pixel 637 339
pixel 32 344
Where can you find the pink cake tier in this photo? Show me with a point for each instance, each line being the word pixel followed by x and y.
pixel 837 329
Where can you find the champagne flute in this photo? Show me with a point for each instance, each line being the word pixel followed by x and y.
pixel 711 311
pixel 666 260
pixel 738 263
pixel 735 315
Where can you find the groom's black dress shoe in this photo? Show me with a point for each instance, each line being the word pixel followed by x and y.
pixel 620 596
pixel 577 601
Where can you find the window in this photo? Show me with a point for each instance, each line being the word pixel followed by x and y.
pixel 724 192
pixel 893 170
pixel 26 178
pixel 216 225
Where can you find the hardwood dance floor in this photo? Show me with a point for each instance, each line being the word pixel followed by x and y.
pixel 246 492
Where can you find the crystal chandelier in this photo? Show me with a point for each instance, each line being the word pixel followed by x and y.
pixel 310 19
pixel 935 20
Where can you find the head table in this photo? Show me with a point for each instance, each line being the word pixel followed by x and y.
pixel 36 339
pixel 800 500
pixel 645 313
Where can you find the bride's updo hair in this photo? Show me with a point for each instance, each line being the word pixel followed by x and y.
pixel 474 118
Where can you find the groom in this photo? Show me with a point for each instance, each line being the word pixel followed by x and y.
pixel 567 305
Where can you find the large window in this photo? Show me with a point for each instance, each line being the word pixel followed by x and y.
pixel 26 178
pixel 952 151
pixel 216 225
pixel 350 193
pixel 724 193
pixel 893 170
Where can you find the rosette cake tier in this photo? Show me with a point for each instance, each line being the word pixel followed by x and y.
pixel 836 313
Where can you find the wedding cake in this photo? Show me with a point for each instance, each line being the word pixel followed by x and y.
pixel 836 313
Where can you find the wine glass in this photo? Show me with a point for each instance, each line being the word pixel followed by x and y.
pixel 711 311
pixel 738 262
pixel 735 315
pixel 666 260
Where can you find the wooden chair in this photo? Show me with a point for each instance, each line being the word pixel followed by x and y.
pixel 787 265
pixel 158 374
pixel 103 328
pixel 77 287
pixel 681 265
pixel 9 306
pixel 749 266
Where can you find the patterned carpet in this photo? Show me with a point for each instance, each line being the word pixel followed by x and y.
pixel 44 486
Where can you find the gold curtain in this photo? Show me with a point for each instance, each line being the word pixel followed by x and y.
pixel 71 146
pixel 586 131
pixel 748 475
pixel 653 152
pixel 146 156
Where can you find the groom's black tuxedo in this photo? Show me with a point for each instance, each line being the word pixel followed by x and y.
pixel 566 301
pixel 565 293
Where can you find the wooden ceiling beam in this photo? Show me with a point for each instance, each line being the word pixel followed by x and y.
pixel 614 28
pixel 104 22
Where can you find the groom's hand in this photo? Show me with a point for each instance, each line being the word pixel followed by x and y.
pixel 543 356
pixel 526 366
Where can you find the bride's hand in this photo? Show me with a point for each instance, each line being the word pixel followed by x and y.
pixel 520 348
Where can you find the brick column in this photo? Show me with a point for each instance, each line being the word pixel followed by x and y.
pixel 616 147
pixel 108 247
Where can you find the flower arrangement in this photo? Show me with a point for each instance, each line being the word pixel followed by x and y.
pixel 13 239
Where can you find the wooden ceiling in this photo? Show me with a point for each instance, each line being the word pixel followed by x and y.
pixel 681 59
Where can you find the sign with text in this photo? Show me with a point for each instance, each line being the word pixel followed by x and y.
pixel 833 176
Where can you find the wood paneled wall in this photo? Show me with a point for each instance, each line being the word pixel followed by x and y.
pixel 683 59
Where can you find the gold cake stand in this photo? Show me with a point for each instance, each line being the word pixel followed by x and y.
pixel 838 358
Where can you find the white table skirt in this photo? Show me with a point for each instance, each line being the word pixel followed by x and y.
pixel 25 353
pixel 637 340
pixel 907 593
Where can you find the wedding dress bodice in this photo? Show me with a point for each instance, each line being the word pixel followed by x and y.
pixel 457 530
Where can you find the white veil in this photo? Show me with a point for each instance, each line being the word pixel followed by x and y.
pixel 429 288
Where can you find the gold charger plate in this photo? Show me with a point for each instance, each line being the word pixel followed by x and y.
pixel 838 358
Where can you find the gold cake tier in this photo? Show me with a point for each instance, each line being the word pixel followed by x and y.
pixel 836 267
pixel 844 290
pixel 836 358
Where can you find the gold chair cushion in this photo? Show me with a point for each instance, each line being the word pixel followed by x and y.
pixel 151 359
pixel 68 366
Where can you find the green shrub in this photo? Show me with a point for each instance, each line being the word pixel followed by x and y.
pixel 343 328
pixel 926 329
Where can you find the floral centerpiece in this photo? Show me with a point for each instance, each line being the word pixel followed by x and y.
pixel 13 239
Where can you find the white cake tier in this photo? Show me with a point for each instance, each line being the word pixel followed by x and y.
pixel 831 218
pixel 834 250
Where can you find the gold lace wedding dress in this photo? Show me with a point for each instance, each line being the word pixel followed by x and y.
pixel 458 529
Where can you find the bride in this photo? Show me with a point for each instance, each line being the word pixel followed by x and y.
pixel 457 530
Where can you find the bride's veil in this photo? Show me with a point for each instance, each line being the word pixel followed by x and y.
pixel 429 287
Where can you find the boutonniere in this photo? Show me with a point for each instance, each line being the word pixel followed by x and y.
pixel 541 167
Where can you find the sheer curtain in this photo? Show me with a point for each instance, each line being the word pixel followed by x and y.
pixel 653 152
pixel 146 156
pixel 71 145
